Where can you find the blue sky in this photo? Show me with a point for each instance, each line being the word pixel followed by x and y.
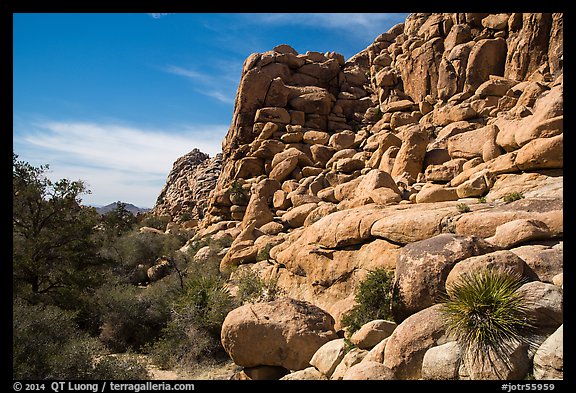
pixel 115 99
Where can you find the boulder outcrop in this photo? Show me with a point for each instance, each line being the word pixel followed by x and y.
pixel 188 186
pixel 435 151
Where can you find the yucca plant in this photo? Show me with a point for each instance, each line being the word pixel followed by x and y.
pixel 487 315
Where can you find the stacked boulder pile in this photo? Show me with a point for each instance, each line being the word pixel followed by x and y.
pixel 435 151
pixel 188 186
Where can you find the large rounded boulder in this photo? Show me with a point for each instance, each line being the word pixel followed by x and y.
pixel 284 332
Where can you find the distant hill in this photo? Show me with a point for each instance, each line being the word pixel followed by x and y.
pixel 130 207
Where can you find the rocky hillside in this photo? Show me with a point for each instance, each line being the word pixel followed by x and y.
pixel 189 183
pixel 436 151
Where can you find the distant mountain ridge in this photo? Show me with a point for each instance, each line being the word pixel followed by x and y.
pixel 130 207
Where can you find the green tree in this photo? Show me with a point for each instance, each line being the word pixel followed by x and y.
pixel 53 247
pixel 118 221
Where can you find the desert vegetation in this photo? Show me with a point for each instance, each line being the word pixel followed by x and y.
pixel 82 292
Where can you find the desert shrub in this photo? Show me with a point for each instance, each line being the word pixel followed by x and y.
pixel 154 221
pixel 47 344
pixel 252 288
pixel 183 344
pixel 135 248
pixel 118 221
pixel 126 367
pixel 463 208
pixel 193 333
pixel 487 314
pixel 131 317
pixel 264 253
pixel 374 298
pixel 512 196
pixel 215 244
pixel 186 216
pixel 176 239
pixel 211 267
pixel 206 299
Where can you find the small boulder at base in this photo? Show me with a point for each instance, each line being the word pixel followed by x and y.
pixel 308 374
pixel 372 333
pixel 328 356
pixel 409 342
pixel 549 358
pixel 370 371
pixel 442 362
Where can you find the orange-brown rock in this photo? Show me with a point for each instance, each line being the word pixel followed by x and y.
pixel 284 332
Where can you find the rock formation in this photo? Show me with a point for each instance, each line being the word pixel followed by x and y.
pixel 436 150
pixel 188 186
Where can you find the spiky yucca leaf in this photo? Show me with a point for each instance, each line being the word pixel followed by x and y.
pixel 487 314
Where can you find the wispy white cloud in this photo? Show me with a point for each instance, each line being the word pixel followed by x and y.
pixel 218 83
pixel 118 162
pixel 358 24
pixel 188 73
pixel 226 98
pixel 331 20
pixel 157 15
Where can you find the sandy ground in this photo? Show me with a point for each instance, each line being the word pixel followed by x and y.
pixel 222 371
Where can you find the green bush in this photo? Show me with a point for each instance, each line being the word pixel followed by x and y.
pixel 47 344
pixel 252 288
pixel 131 317
pixel 135 248
pixel 512 196
pixel 264 253
pixel 118 221
pixel 183 344
pixel 208 300
pixel 154 221
pixel 463 208
pixel 374 299
pixel 210 267
pixel 487 314
pixel 193 333
pixel 185 216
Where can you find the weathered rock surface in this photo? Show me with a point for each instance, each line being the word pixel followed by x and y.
pixel 549 358
pixel 544 303
pixel 494 367
pixel 372 333
pixel 188 186
pixel 285 332
pixel 442 362
pixel 423 267
pixel 328 356
pixel 352 357
pixel 409 342
pixel 435 151
pixel 308 374
pixel 368 371
pixel 504 261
